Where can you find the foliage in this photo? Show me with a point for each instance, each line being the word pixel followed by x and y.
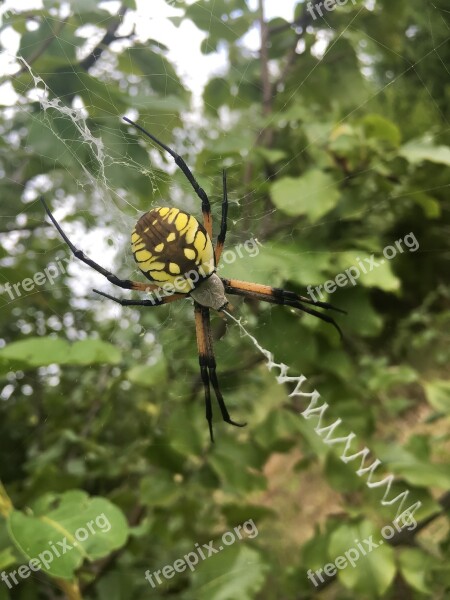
pixel 101 407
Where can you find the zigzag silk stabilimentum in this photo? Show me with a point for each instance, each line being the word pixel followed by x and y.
pixel 325 432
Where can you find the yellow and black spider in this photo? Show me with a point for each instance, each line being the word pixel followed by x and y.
pixel 175 252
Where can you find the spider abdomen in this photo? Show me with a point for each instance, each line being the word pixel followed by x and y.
pixel 171 247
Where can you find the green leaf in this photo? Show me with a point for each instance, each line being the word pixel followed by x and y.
pixel 4 594
pixel 271 155
pixel 236 571
pixel 158 71
pixel 216 94
pixel 416 151
pixel 50 147
pixel 154 105
pixel 363 318
pixel 313 194
pixel 375 571
pixel 160 489
pixel 430 206
pixel 438 394
pixel 35 352
pixel 224 458
pixel 381 128
pixel 278 262
pixel 415 567
pixel 92 351
pixel 149 375
pixel 339 476
pixel 58 40
pixel 7 557
pixel 92 528
pixel 424 474
pixel 378 270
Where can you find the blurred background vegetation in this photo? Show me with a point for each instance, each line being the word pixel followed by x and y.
pixel 335 135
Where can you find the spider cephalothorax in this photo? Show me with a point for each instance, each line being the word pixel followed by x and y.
pixel 175 252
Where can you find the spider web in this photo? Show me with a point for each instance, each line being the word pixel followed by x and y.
pixel 108 200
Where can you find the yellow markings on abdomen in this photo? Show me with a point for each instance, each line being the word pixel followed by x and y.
pixel 171 246
pixel 181 221
pixel 142 256
pixel 192 228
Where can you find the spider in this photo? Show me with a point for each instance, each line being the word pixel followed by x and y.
pixel 174 251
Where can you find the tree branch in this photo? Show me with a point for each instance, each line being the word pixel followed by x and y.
pixel 264 56
pixel 107 39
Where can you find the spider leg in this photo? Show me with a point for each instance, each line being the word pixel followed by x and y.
pixel 126 284
pixel 223 223
pixel 206 209
pixel 203 361
pixel 202 316
pixel 279 296
pixel 153 302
